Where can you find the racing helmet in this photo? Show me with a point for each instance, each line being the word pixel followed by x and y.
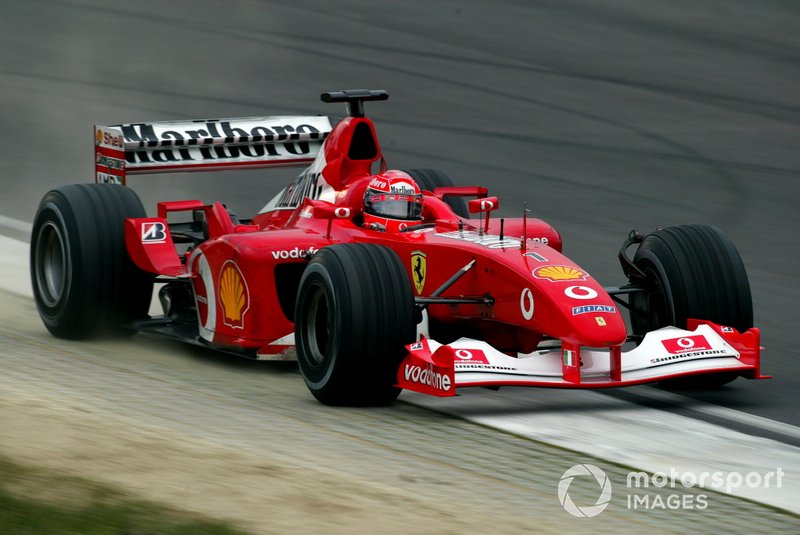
pixel 392 202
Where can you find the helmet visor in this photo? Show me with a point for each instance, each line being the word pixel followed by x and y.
pixel 408 207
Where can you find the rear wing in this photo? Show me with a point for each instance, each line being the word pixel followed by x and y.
pixel 207 145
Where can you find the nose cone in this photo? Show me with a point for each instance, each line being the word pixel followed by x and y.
pixel 597 325
pixel 570 304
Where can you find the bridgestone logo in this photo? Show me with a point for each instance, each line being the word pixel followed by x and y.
pixel 154 232
pixel 111 163
pixel 426 376
pixel 483 367
pixel 696 354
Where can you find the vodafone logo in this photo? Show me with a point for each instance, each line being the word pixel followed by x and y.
pixel 526 303
pixel 487 206
pixel 686 344
pixel 471 356
pixel 580 292
pixel 428 376
pixel 297 252
pixel 342 213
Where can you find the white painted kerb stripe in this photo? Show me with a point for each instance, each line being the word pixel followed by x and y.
pixel 15 224
pixel 621 432
pixel 14 275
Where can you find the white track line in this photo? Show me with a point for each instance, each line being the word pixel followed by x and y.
pixel 15 224
pixel 14 275
pixel 725 413
pixel 625 433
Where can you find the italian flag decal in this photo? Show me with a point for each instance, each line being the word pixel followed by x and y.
pixel 569 358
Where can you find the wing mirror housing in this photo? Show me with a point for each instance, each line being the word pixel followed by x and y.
pixel 327 211
pixel 485 205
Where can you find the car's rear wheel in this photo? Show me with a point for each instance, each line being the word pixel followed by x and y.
pixel 83 280
pixel 692 271
pixel 353 315
pixel 430 179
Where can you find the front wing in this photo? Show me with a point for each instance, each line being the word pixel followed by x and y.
pixel 437 369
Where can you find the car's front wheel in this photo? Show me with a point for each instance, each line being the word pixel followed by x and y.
pixel 692 271
pixel 353 315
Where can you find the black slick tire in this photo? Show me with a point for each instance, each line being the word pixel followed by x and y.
pixel 693 271
pixel 83 280
pixel 430 179
pixel 353 315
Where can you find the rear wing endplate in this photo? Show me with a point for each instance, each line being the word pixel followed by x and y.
pixel 207 145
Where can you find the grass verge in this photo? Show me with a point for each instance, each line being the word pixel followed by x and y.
pixel 37 502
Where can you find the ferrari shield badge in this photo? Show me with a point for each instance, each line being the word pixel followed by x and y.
pixel 419 268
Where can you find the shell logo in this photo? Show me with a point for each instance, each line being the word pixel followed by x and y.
pixel 559 273
pixel 234 297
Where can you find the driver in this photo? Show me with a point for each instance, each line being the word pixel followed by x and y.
pixel 392 202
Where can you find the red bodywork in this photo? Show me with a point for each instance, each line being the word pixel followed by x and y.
pixel 245 276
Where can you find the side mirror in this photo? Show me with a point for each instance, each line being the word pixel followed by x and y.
pixel 328 211
pixel 487 204
pixel 324 210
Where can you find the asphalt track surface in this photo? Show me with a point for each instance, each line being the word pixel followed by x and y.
pixel 604 116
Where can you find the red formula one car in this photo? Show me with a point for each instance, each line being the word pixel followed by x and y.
pixel 376 280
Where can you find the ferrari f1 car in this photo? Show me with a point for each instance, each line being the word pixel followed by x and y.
pixel 449 297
